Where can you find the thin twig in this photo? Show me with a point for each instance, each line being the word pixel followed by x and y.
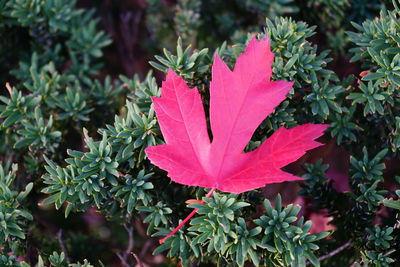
pixel 145 247
pixel 62 245
pixel 139 262
pixel 124 262
pixel 129 248
pixel 336 251
pixel 124 256
pixel 129 229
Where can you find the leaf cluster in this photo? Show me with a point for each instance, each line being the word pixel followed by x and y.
pixel 279 237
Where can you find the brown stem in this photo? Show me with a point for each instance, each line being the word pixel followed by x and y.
pixel 145 248
pixel 62 245
pixel 124 256
pixel 139 262
pixel 121 258
pixel 129 248
pixel 334 252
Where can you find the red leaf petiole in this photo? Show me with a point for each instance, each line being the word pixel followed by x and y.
pixel 187 218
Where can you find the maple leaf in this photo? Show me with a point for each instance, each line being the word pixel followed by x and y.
pixel 239 101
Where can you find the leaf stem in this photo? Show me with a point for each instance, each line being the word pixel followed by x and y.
pixel 336 251
pixel 187 218
pixel 62 245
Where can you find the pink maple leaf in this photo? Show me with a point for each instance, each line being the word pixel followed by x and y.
pixel 239 101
